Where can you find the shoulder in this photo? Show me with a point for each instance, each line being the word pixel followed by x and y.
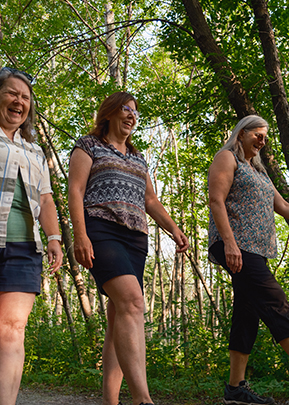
pixel 88 144
pixel 225 160
pixel 89 140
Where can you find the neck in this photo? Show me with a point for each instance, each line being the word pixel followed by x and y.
pixel 9 133
pixel 119 144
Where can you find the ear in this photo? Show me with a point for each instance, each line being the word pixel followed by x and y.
pixel 241 135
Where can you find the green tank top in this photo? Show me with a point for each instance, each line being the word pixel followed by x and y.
pixel 20 221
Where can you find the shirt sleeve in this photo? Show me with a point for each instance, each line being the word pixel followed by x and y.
pixel 85 143
pixel 46 185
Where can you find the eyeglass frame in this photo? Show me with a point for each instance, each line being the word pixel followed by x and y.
pixel 259 136
pixel 13 70
pixel 128 109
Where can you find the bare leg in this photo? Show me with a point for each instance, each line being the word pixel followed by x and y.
pixel 14 310
pixel 238 364
pixel 128 333
pixel 112 373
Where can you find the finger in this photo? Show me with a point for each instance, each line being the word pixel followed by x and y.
pixel 58 261
pixel 91 253
pixel 89 262
pixel 240 265
pixel 182 243
pixel 50 256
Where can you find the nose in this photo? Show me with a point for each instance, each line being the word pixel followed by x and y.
pixel 18 99
pixel 263 140
pixel 131 115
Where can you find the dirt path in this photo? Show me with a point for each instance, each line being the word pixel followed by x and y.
pixel 28 396
pixel 35 397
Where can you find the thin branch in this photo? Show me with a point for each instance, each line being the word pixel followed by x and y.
pixel 54 125
pixel 22 12
pixel 282 257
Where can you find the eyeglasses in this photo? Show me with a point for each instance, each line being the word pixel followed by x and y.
pixel 12 70
pixel 129 110
pixel 259 136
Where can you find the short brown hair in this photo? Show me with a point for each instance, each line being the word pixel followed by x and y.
pixel 108 107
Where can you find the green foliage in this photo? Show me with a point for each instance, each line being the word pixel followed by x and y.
pixel 51 355
pixel 185 119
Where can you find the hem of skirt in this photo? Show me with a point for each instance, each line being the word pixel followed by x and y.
pixel 19 288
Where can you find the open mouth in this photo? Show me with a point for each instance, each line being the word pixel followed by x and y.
pixel 15 110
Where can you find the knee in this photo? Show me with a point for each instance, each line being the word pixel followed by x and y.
pixel 132 305
pixel 12 331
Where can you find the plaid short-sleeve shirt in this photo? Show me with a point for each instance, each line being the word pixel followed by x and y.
pixel 29 159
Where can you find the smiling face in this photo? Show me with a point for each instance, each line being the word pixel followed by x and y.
pixel 253 141
pixel 14 105
pixel 122 122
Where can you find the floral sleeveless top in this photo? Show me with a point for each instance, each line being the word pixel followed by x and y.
pixel 250 208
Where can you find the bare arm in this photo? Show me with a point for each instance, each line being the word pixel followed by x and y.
pixel 281 206
pixel 49 223
pixel 157 211
pixel 221 176
pixel 79 170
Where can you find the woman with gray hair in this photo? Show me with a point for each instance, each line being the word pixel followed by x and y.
pixel 241 238
pixel 25 199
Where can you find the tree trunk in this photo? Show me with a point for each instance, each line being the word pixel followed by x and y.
pixel 198 286
pixel 162 288
pixel 212 300
pixel 272 65
pixel 66 233
pixel 113 57
pixel 125 70
pixel 208 46
pixel 153 282
pixel 235 92
pixel 66 307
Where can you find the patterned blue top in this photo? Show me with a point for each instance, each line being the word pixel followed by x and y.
pixel 116 186
pixel 250 208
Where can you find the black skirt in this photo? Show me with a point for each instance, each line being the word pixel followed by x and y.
pixel 117 250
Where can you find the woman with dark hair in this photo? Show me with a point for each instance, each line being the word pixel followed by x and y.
pixel 241 238
pixel 110 192
pixel 25 197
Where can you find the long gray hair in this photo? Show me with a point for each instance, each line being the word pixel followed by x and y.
pixel 234 144
pixel 27 129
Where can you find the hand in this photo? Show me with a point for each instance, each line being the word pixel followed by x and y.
pixel 233 257
pixel 181 240
pixel 83 251
pixel 55 255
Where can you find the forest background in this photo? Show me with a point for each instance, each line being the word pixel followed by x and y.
pixel 196 69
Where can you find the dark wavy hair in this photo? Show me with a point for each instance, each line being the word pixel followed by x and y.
pixel 27 128
pixel 108 107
